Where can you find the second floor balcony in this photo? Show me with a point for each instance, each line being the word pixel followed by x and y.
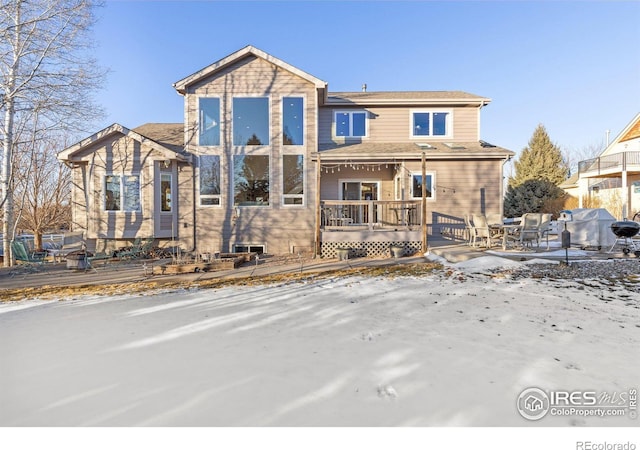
pixel 610 165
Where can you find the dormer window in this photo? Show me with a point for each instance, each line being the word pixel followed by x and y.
pixel 431 124
pixel 351 123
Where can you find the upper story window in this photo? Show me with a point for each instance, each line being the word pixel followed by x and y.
pixel 351 123
pixel 250 121
pixel 209 180
pixel 209 121
pixel 122 193
pixel 293 120
pixel 431 124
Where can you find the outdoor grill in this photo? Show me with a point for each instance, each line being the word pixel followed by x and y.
pixel 625 230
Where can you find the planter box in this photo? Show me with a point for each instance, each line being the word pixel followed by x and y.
pixel 226 261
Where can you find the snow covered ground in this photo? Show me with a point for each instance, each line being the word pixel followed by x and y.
pixel 454 349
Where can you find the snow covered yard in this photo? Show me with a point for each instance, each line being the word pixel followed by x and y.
pixel 455 348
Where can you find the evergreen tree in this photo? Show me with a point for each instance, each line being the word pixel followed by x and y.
pixel 541 160
pixel 533 196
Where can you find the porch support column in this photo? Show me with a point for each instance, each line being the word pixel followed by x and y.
pixel 318 243
pixel 424 203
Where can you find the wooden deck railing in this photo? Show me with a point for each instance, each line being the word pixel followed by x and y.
pixel 369 214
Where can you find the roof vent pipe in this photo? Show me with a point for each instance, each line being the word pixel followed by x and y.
pixel 364 87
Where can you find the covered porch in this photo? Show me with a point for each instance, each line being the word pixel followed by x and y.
pixel 368 204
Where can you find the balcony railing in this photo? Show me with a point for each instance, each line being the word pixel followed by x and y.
pixel 609 163
pixel 370 215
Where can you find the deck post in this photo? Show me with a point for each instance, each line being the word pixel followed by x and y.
pixel 423 219
pixel 318 243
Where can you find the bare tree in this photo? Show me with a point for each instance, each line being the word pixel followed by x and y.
pixel 574 156
pixel 47 78
pixel 42 189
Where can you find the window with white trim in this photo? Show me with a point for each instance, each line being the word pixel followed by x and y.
pixel 293 121
pixel 251 180
pixel 431 124
pixel 416 185
pixel 350 123
pixel 165 192
pixel 251 121
pixel 122 193
pixel 209 121
pixel 292 180
pixel 209 180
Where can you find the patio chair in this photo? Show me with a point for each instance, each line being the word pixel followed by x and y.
pixel 469 229
pixel 21 253
pixel 530 229
pixel 483 231
pixel 543 229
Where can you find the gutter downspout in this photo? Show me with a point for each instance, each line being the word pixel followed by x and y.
pixel 502 192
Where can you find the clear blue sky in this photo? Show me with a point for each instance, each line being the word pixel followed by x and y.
pixel 572 66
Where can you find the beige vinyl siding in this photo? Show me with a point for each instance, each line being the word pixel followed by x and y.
pixel 116 156
pixel 393 124
pixel 280 228
pixel 474 183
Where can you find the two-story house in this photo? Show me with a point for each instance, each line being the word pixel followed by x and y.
pixel 268 160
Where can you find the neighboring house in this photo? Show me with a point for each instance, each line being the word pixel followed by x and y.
pixel 614 177
pixel 268 160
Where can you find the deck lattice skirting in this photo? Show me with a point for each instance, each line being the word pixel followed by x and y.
pixel 371 249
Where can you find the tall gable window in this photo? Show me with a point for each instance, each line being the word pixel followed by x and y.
pixel 431 123
pixel 209 180
pixel 351 123
pixel 251 180
pixel 209 121
pixel 293 179
pixel 293 120
pixel 122 193
pixel 250 121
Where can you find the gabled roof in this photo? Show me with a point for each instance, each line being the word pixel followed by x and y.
pixel 405 98
pixel 182 85
pixel 165 138
pixel 631 131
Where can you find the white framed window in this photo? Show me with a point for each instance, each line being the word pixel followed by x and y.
pixel 293 120
pixel 416 185
pixel 350 124
pixel 431 124
pixel 209 121
pixel 293 180
pixel 251 124
pixel 251 174
pixel 209 180
pixel 166 196
pixel 122 193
